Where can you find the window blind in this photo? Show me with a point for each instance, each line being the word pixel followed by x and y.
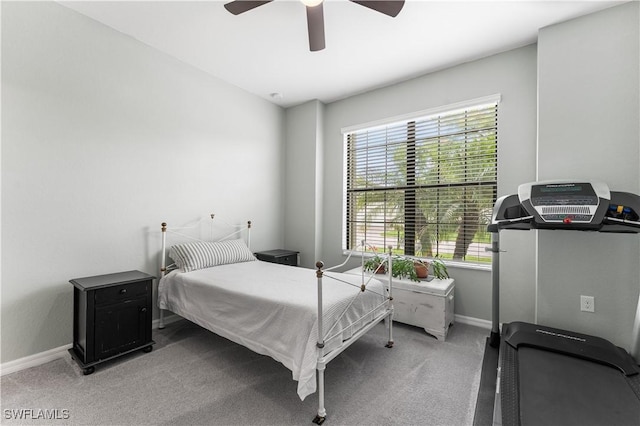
pixel 425 186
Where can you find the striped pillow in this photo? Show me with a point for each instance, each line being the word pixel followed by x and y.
pixel 193 256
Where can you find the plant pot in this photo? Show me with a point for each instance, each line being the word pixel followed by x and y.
pixel 381 270
pixel 422 270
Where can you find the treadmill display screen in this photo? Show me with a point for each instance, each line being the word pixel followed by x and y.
pixel 564 202
pixel 567 194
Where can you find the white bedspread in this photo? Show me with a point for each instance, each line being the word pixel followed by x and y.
pixel 272 309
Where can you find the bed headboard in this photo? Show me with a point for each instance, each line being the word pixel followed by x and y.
pixel 194 232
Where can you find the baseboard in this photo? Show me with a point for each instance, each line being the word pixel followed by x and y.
pixel 34 360
pixel 60 352
pixel 473 321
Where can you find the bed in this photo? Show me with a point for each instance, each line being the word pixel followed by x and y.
pixel 300 317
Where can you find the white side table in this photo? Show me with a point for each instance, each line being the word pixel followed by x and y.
pixel 426 304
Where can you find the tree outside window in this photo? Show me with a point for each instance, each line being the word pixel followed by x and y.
pixel 425 186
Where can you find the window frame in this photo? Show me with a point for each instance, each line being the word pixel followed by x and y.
pixel 405 120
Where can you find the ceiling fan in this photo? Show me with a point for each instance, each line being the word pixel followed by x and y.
pixel 315 14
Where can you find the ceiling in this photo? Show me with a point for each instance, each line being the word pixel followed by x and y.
pixel 266 51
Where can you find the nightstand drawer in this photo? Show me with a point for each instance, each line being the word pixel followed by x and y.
pixel 121 292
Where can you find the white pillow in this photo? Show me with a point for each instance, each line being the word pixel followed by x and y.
pixel 199 255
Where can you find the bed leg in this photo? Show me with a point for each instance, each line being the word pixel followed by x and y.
pixel 390 342
pixel 161 323
pixel 389 318
pixel 322 413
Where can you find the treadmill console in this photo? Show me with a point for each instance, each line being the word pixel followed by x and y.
pixel 570 205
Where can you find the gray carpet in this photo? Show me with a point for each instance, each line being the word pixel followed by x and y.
pixel 193 377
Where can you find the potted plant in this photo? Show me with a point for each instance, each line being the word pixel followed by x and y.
pixel 422 268
pixel 439 269
pixel 375 264
pixel 413 269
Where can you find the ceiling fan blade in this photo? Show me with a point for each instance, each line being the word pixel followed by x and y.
pixel 315 25
pixel 390 8
pixel 240 6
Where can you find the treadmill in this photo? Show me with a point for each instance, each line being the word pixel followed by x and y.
pixel 549 376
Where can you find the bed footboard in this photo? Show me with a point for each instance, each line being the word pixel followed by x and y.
pixel 324 359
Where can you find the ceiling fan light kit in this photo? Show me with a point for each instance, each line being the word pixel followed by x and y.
pixel 315 14
pixel 311 3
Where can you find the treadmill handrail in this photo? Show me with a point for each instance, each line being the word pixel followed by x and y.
pixel 506 222
pixel 616 221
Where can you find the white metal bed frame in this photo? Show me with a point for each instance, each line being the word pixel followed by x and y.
pixel 323 358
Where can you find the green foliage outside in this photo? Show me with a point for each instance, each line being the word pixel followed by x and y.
pixel 445 210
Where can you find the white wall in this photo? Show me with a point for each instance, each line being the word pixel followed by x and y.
pixel 589 127
pixel 303 193
pixel 513 76
pixel 103 138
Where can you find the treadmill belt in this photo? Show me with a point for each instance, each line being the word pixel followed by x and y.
pixel 556 389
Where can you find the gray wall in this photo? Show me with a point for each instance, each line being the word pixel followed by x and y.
pixel 589 127
pixel 103 138
pixel 303 190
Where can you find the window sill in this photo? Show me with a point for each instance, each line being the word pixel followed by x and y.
pixel 449 263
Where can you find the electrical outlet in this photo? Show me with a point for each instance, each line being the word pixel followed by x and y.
pixel 587 304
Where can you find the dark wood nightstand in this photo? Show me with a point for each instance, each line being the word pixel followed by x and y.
pixel 111 317
pixel 284 257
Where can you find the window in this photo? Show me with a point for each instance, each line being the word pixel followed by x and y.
pixel 426 185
